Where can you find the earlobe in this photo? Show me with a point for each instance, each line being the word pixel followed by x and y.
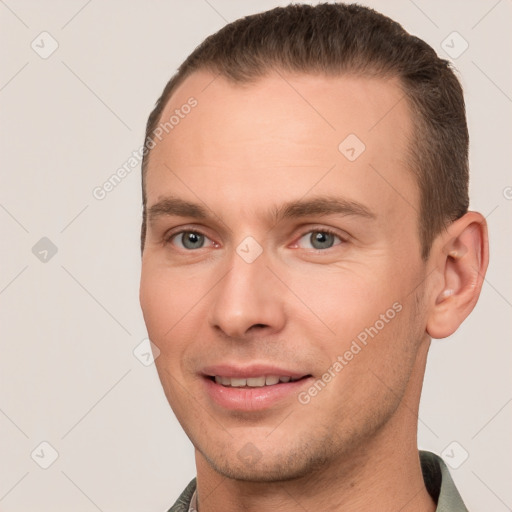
pixel 462 255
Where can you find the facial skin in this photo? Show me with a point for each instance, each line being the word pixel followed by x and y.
pixel 242 154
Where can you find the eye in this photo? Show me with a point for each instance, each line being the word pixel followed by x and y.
pixel 319 239
pixel 189 240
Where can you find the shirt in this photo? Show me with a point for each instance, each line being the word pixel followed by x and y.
pixel 438 482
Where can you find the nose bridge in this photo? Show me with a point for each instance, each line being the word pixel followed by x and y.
pixel 247 295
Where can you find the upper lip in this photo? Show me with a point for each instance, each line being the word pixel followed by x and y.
pixel 246 372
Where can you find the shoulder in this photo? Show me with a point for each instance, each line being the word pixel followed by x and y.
pixel 183 502
pixel 440 484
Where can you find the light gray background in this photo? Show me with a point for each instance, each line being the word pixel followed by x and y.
pixel 69 325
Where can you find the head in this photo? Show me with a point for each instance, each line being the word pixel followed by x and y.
pixel 307 215
pixel 349 40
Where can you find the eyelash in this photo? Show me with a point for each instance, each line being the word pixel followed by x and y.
pixel 327 231
pixel 168 238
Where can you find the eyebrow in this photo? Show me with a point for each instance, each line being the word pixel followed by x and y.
pixel 321 205
pixel 173 206
pixel 317 206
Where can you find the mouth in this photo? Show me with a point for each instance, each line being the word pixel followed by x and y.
pixel 253 388
pixel 254 382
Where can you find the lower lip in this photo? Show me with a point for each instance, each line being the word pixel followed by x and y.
pixel 252 399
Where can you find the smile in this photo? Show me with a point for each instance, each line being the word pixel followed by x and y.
pixel 254 388
pixel 252 382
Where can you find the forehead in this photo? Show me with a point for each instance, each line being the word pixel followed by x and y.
pixel 288 130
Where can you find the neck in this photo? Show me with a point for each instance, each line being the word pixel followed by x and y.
pixel 384 474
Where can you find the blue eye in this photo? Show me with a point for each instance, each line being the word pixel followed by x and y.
pixel 189 240
pixel 320 239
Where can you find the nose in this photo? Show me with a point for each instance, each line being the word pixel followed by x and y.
pixel 248 299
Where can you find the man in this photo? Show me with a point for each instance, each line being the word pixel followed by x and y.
pixel 306 233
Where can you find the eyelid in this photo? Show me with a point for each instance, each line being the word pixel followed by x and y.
pixel 170 234
pixel 343 237
pixel 174 232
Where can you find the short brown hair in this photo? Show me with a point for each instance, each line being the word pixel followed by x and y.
pixel 337 39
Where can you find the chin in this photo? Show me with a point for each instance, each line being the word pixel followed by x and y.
pixel 252 466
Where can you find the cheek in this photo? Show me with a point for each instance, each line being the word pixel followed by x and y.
pixel 346 300
pixel 156 301
pixel 174 304
pixel 166 298
pixel 165 315
pixel 365 314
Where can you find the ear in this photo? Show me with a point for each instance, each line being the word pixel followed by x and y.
pixel 460 255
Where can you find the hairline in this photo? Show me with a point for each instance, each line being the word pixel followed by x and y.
pixel 413 150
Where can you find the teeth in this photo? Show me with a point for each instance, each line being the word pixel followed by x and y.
pixel 256 382
pixel 271 380
pixel 238 383
pixel 253 382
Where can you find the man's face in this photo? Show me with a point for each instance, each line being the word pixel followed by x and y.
pixel 261 282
